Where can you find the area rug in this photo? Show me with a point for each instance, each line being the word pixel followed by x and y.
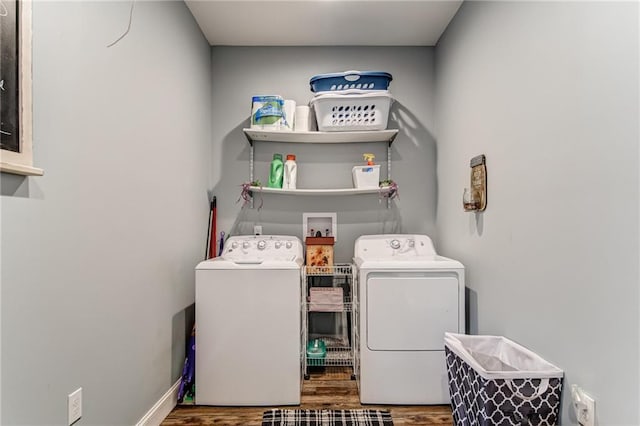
pixel 277 417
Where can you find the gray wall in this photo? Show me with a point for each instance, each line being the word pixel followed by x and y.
pixel 549 92
pixel 98 254
pixel 239 73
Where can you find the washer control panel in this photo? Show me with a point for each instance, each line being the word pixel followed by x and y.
pixel 394 246
pixel 261 248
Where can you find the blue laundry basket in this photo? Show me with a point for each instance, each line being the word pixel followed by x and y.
pixel 363 80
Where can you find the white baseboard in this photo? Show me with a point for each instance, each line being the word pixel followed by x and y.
pixel 162 408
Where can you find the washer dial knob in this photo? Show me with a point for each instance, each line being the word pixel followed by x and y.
pixel 278 244
pixel 395 244
pixel 245 245
pixel 288 244
pixel 261 245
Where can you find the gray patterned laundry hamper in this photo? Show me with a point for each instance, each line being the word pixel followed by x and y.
pixel 496 382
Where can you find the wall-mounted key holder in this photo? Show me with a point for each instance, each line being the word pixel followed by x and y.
pixel 474 198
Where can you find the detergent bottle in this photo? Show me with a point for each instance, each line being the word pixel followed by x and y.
pixel 276 172
pixel 290 171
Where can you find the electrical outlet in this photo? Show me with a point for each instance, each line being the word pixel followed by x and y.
pixel 584 406
pixel 74 402
pixel 257 230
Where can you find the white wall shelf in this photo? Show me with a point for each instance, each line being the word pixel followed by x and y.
pixel 320 137
pixel 339 191
pixel 256 135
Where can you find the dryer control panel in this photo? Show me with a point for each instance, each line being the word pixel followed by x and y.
pixel 394 247
pixel 262 248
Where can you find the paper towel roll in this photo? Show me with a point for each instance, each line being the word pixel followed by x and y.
pixel 266 112
pixel 302 119
pixel 289 114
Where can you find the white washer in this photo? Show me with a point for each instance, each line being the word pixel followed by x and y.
pixel 408 297
pixel 248 323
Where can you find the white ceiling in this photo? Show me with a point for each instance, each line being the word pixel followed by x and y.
pixel 323 22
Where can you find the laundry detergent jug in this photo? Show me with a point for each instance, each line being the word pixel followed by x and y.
pixel 276 172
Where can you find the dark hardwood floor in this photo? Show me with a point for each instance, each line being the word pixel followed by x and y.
pixel 332 389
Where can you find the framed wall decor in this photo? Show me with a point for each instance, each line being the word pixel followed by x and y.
pixel 16 116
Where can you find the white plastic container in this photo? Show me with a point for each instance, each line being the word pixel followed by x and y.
pixel 290 172
pixel 352 110
pixel 366 176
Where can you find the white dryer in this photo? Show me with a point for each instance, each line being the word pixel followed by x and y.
pixel 248 323
pixel 407 298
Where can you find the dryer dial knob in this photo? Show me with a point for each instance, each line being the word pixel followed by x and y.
pixel 395 244
pixel 412 243
pixel 234 245
pixel 261 245
pixel 278 244
pixel 245 245
pixel 289 244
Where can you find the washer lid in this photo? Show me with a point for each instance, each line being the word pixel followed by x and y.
pixel 258 252
pixel 253 248
pixel 221 263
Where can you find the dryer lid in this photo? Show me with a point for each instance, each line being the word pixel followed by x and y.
pixel 395 247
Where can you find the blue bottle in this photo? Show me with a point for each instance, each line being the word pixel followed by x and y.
pixel 277 172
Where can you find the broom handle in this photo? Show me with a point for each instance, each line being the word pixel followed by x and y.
pixel 207 245
pixel 212 237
